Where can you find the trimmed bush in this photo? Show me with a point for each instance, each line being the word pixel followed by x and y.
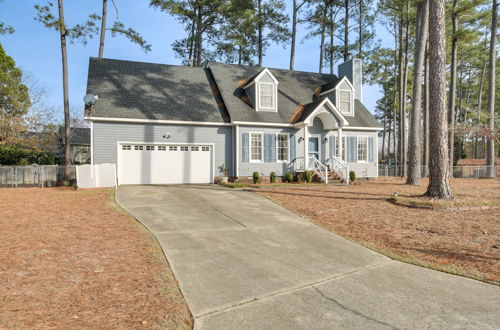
pixel 256 177
pixel 272 177
pixel 12 154
pixel 352 176
pixel 308 176
pixel 289 177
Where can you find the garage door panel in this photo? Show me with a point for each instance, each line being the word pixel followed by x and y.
pixel 165 164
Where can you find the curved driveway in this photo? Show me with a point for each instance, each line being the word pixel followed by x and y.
pixel 243 262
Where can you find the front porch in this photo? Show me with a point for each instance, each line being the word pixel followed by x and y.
pixel 321 133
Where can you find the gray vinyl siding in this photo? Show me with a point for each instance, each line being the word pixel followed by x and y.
pixel 266 78
pixel 368 169
pixel 106 135
pixel 264 168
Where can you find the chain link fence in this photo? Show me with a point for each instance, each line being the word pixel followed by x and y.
pixel 35 176
pixel 469 172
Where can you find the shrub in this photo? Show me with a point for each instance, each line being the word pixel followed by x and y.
pixel 256 176
pixel 12 154
pixel 289 177
pixel 352 176
pixel 272 176
pixel 308 176
pixel 74 186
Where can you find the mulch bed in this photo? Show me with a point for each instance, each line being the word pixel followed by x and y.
pixel 72 259
pixel 465 242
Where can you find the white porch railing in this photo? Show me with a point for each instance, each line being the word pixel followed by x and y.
pixel 299 164
pixel 318 168
pixel 335 164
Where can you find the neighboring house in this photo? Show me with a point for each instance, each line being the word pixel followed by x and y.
pixel 176 124
pixel 80 145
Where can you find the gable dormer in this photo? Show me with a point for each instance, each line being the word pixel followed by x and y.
pixel 262 89
pixel 342 93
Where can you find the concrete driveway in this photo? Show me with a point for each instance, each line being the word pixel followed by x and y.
pixel 243 262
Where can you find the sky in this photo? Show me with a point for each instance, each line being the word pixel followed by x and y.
pixel 36 49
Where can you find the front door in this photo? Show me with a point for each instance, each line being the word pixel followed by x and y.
pixel 314 147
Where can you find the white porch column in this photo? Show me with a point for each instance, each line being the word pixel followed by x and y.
pixel 306 147
pixel 340 151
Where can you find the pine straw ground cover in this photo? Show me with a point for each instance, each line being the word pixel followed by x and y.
pixel 460 242
pixel 72 259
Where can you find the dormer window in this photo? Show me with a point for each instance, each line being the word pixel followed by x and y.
pixel 266 96
pixel 262 89
pixel 345 98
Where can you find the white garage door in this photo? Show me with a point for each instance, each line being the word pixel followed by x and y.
pixel 164 164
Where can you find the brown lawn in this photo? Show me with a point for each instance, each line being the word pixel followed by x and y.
pixel 460 242
pixel 71 259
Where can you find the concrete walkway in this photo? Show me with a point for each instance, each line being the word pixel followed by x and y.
pixel 243 262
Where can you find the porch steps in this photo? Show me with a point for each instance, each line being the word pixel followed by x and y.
pixel 333 177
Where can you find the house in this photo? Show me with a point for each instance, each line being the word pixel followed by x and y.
pixel 80 144
pixel 175 124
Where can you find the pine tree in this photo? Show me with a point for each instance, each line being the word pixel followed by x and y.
pixel 80 32
pixel 119 28
pixel 439 182
pixel 415 149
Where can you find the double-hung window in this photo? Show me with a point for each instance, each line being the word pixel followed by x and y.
pixel 256 147
pixel 283 147
pixel 362 149
pixel 266 96
pixel 345 101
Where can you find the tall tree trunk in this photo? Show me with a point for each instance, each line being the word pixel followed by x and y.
pixel 346 30
pixel 479 108
pixel 426 107
pixel 199 37
pixel 360 30
pixel 384 131
pixel 67 122
pixel 415 150
pixel 322 39
pixel 400 89
pixel 191 44
pixel 294 34
pixel 404 152
pixel 439 169
pixel 389 137
pixel 259 31
pixel 490 154
pixel 453 83
pixel 332 39
pixel 103 27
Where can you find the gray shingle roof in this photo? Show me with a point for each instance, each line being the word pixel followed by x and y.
pixel 152 91
pixel 295 87
pixel 215 94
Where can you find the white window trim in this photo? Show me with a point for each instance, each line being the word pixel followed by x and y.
pixel 275 95
pixel 352 90
pixel 250 160
pixel 357 149
pixel 288 149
